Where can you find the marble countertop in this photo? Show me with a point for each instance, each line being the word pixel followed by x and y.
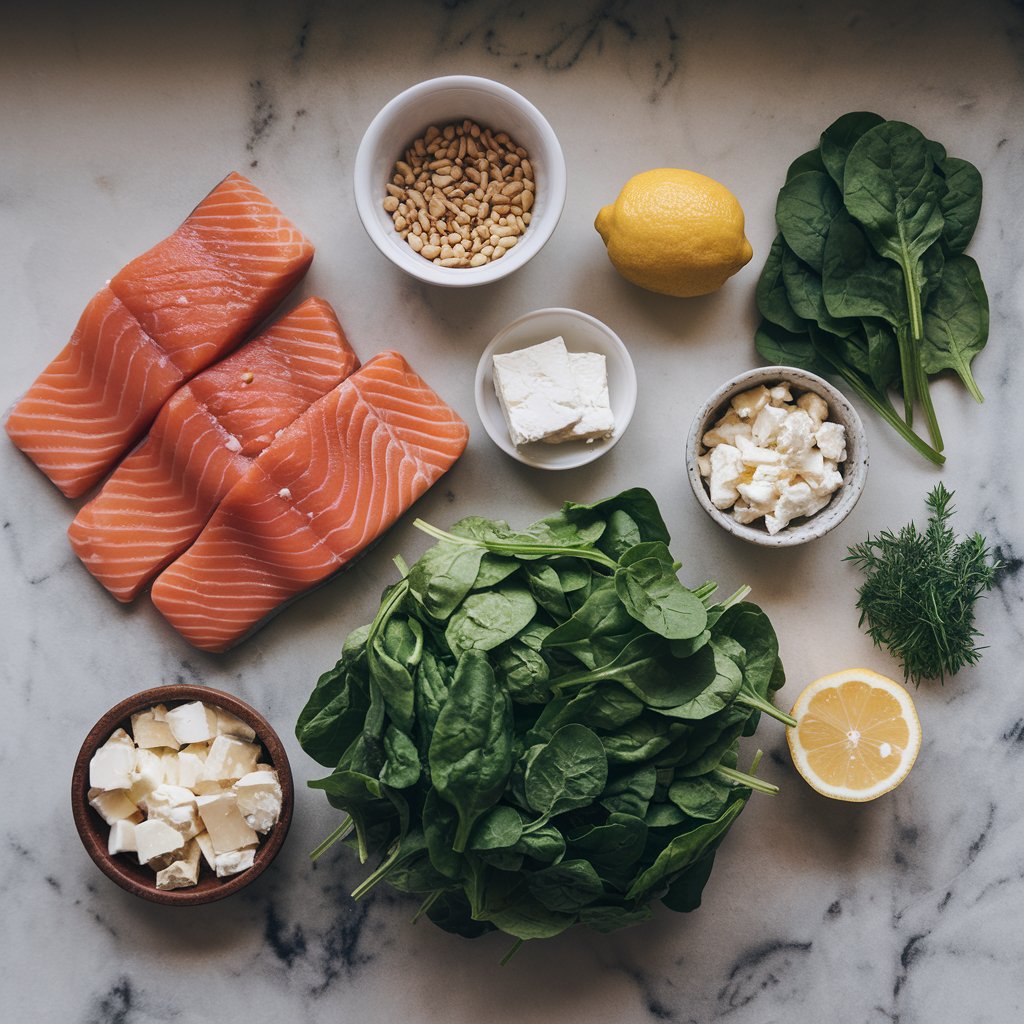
pixel 115 119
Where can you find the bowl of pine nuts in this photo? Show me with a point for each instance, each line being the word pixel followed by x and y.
pixel 459 181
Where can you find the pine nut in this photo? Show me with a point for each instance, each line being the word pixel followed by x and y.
pixel 462 194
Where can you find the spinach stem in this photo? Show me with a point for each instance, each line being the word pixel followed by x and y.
pixel 427 904
pixel 336 836
pixel 512 952
pixel 740 595
pixel 743 779
pixel 759 704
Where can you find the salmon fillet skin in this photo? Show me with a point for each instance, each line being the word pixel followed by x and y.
pixel 167 315
pixel 328 487
pixel 201 444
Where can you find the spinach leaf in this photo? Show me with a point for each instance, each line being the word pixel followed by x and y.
pixel 703 797
pixel 956 322
pixel 637 502
pixel 500 828
pixel 443 575
pixel 840 137
pixel 333 716
pixel 621 534
pixel 653 595
pixel 725 683
pixel 471 749
pixel 566 887
pixel 608 916
pixel 521 667
pixel 805 290
pixel 805 208
pixel 772 298
pixel 684 894
pixel 402 767
pixel 546 588
pixel 569 771
pixel 488 618
pixel 493 569
pixel 630 792
pixel 545 844
pixel 961 205
pixel 598 630
pixel 809 161
pixel 785 348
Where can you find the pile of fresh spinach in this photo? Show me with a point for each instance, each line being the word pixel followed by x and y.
pixel 540 727
pixel 867 279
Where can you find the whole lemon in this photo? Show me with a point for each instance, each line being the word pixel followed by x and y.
pixel 675 232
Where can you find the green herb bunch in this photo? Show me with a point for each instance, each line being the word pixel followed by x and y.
pixel 867 279
pixel 541 727
pixel 920 590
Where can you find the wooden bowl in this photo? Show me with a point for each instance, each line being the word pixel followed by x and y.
pixel 124 868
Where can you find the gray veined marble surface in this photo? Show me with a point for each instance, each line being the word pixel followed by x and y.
pixel 115 119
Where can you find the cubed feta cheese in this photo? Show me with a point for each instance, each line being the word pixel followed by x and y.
pixel 181 873
pixel 780 394
pixel 192 723
pixel 148 774
pixel 536 391
pixel 726 472
pixel 206 846
pixel 224 822
pixel 111 804
pixel 150 729
pixel 593 402
pixel 831 439
pixel 156 840
pixel 234 861
pixel 122 838
pixel 230 758
pixel 258 796
pixel 230 725
pixel 175 805
pixel 111 766
pixel 748 404
pixel 189 769
pixel 753 455
pixel 759 494
pixel 810 465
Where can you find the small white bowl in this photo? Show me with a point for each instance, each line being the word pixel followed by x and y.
pixel 448 100
pixel 854 469
pixel 582 333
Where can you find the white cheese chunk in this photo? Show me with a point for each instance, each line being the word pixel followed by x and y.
pixel 192 723
pixel 765 428
pixel 748 404
pixel 111 766
pixel 148 774
pixel 176 806
pixel 150 729
pixel 234 861
pixel 122 838
pixel 536 391
pixel 796 434
pixel 230 758
pixel 227 828
pixel 780 394
pixel 258 796
pixel 205 844
pixel 590 373
pixel 815 407
pixel 189 769
pixel 230 725
pixel 156 840
pixel 182 873
pixel 831 439
pixel 726 472
pixel 111 804
pixel 726 430
pixel 753 455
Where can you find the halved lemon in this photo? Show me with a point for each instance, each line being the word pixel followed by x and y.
pixel 857 734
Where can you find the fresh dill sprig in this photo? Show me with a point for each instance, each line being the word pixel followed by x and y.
pixel 920 589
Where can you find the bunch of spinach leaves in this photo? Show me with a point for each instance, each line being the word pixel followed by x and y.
pixel 541 727
pixel 867 279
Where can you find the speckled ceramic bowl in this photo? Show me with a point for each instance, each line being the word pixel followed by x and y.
pixel 124 868
pixel 854 469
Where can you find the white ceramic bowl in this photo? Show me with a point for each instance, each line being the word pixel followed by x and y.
pixel 854 469
pixel 442 101
pixel 582 333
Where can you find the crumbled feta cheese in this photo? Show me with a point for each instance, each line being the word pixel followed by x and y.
pixel 258 796
pixel 831 439
pixel 759 494
pixel 192 723
pixel 150 729
pixel 726 430
pixel 748 404
pixel 752 455
pixel 234 861
pixel 780 394
pixel 796 433
pixel 111 766
pixel 765 428
pixel 726 472
pixel 815 407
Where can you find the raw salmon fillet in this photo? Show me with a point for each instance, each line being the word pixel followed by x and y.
pixel 201 444
pixel 335 480
pixel 163 318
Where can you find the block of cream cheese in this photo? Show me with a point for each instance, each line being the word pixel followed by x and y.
pixel 593 403
pixel 536 391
